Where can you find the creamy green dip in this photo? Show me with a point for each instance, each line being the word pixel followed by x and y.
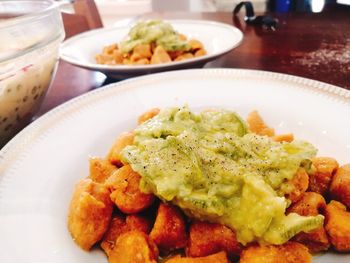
pixel 209 165
pixel 154 31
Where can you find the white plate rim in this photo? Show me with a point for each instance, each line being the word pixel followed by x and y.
pixel 138 68
pixel 40 127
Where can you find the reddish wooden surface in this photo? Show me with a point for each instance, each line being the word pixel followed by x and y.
pixel 315 46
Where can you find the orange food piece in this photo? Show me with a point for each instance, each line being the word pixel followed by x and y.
pixel 209 238
pixel 215 258
pixel 311 204
pixel 299 183
pixel 257 125
pixel 125 139
pixel 115 229
pixel 169 230
pixel 290 252
pixel 89 213
pixel 288 137
pixel 148 115
pixel 143 51
pixel 126 193
pixel 119 225
pixel 337 225
pixel 200 52
pixel 184 56
pixel 340 185
pixel 100 169
pixel 160 56
pixel 195 44
pixel 320 180
pixel 134 247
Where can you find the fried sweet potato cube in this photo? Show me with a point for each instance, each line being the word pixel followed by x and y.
pixel 288 137
pixel 142 61
pixel 134 247
pixel 160 56
pixel 321 179
pixel 215 258
pixel 125 139
pixel 89 213
pixel 257 125
pixel 291 252
pixel 209 238
pixel 116 228
pixel 139 222
pixel 337 225
pixel 126 193
pixel 311 204
pixel 169 230
pixel 119 225
pixel 340 185
pixel 184 56
pixel 195 44
pixel 143 51
pixel 148 115
pixel 117 56
pixel 299 183
pixel 200 52
pixel 100 169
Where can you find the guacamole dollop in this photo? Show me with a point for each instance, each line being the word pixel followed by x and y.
pixel 154 31
pixel 210 166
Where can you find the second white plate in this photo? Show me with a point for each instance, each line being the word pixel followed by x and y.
pixel 217 38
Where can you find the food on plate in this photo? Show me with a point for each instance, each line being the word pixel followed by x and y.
pixel 311 204
pixel 126 138
pixel 208 187
pixel 217 258
pixel 290 252
pixel 337 225
pixel 121 224
pixel 125 191
pixel 340 185
pixel 210 166
pixel 100 169
pixel 320 180
pixel 134 247
pixel 209 238
pixel 151 42
pixel 169 230
pixel 90 212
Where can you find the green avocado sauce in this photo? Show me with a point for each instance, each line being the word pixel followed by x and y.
pixel 210 166
pixel 154 31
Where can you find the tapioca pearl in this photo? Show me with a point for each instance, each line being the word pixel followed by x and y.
pixel 8 127
pixel 4 120
pixel 19 87
pixel 35 89
pixel 25 98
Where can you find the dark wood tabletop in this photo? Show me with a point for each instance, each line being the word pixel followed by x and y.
pixel 315 46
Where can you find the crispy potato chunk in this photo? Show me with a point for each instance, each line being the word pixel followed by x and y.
pixel 89 213
pixel 169 230
pixel 288 137
pixel 148 115
pixel 100 169
pixel 208 238
pixel 142 61
pixel 321 179
pixel 311 204
pixel 200 52
pixel 299 183
pixel 143 51
pixel 134 247
pixel 215 258
pixel 160 56
pixel 119 225
pixel 340 185
pixel 337 225
pixel 116 228
pixel 184 56
pixel 126 194
pixel 125 139
pixel 257 125
pixel 195 44
pixel 291 252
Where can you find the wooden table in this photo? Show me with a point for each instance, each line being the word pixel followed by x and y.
pixel 315 46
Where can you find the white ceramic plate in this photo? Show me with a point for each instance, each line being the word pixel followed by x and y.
pixel 217 38
pixel 40 166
